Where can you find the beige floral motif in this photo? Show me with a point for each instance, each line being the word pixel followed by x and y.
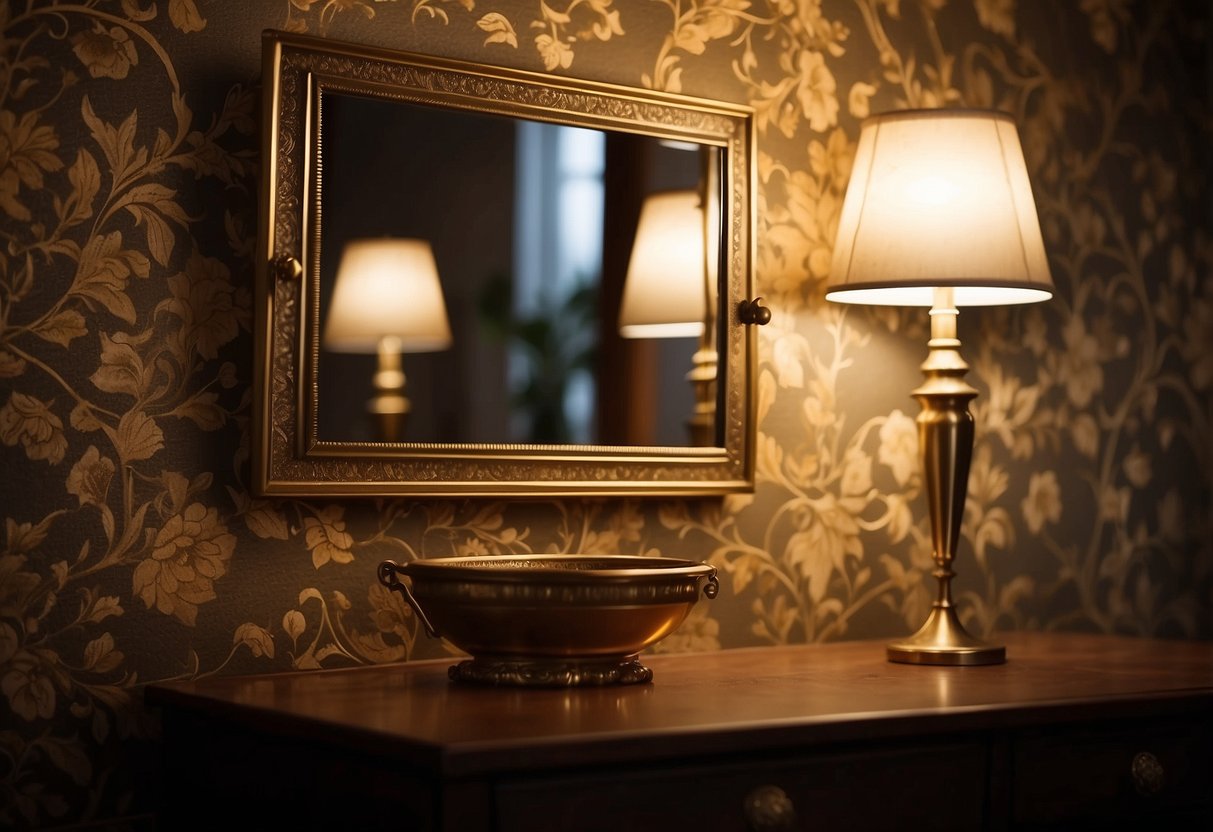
pixel 332 8
pixel 1106 16
pixel 555 53
pixel 1080 368
pixel 499 29
pixel 256 638
pixel 471 547
pixel 997 15
pixel 1171 523
pixel 692 32
pixel 327 538
pixel 1007 410
pixel 138 436
pixel 10 186
pixel 389 611
pixel 28 688
pixel 106 53
pixel 832 534
pixel 89 479
pixel 185 16
pixel 1137 468
pixel 799 212
pixel 21 538
pixel 899 446
pixel 203 297
pixel 104 269
pixel 554 38
pixel 988 524
pixel 808 21
pixel 27 151
pixel 1114 503
pixel 1043 503
pixel 9 644
pixel 1197 344
pixel 856 481
pixel 420 7
pixel 122 369
pixel 694 25
pixel 29 422
pixel 815 89
pixel 859 101
pixel 189 553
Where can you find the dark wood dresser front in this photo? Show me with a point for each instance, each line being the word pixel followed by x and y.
pixel 1073 732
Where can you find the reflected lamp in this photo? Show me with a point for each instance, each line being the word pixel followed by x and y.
pixel 939 213
pixel 387 301
pixel 667 292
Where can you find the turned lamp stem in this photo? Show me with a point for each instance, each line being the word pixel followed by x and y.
pixel 945 440
pixel 389 407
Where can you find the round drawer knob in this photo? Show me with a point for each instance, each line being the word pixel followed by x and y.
pixel 769 809
pixel 1148 774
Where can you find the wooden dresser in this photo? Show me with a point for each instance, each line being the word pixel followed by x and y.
pixel 1073 732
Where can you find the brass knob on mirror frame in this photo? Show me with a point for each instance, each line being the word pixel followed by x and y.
pixel 1149 776
pixel 753 313
pixel 769 809
pixel 287 267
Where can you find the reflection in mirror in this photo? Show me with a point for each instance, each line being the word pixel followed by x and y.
pixel 387 300
pixel 669 291
pixel 532 230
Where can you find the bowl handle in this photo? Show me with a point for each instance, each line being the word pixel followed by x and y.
pixel 712 588
pixel 389 576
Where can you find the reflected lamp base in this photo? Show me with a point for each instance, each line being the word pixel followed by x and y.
pixel 943 640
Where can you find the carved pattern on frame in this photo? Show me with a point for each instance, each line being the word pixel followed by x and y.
pixel 299 458
pixel 431 84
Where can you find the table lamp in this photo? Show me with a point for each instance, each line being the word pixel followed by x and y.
pixel 667 292
pixel 939 213
pixel 387 301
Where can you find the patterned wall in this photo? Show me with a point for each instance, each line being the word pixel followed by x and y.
pixel 133 553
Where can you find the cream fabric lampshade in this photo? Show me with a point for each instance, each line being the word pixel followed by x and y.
pixel 387 288
pixel 664 293
pixel 939 198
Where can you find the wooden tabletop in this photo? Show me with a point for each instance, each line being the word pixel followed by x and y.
pixel 723 702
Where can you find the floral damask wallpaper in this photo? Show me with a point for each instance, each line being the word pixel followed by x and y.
pixel 132 551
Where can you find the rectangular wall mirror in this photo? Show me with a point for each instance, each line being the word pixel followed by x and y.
pixel 474 280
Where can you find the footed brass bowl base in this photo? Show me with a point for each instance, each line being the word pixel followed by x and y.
pixel 552 673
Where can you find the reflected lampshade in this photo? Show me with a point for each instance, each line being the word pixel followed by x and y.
pixel 387 289
pixel 939 198
pixel 664 295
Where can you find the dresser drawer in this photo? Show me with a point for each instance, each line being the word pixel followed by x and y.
pixel 927 787
pixel 1107 772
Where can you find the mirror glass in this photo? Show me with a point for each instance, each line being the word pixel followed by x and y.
pixel 473 280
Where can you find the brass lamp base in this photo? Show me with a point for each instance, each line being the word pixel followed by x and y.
pixel 943 640
pixel 945 439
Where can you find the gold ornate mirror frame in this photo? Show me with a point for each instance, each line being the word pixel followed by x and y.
pixel 288 456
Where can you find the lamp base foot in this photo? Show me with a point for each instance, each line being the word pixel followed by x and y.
pixel 943 640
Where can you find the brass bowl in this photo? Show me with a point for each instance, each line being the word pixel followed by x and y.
pixel 551 620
